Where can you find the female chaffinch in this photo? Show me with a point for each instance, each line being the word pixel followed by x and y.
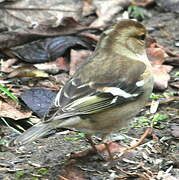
pixel 107 90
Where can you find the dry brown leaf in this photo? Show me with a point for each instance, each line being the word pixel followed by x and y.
pixel 31 12
pixel 68 26
pixel 113 146
pixel 50 67
pixel 72 172
pixel 63 64
pixel 107 10
pixel 144 3
pixel 88 8
pixel 157 57
pixel 5 65
pixel 161 76
pixel 27 71
pixel 10 111
pixel 77 57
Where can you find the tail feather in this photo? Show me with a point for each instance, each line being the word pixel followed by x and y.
pixel 33 133
pixel 42 128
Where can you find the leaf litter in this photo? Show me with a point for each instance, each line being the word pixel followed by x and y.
pixel 67 155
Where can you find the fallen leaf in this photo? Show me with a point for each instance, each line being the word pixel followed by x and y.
pixel 27 71
pixel 13 112
pixel 63 64
pixel 50 67
pixel 157 57
pixel 50 49
pixel 144 3
pixel 78 57
pixel 88 7
pixel 39 100
pixel 30 13
pixel 6 65
pixel 161 76
pixel 114 147
pixel 68 26
pixel 72 172
pixel 107 10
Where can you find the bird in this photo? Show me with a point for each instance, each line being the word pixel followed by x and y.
pixel 107 90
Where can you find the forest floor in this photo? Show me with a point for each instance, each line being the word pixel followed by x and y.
pixel 67 156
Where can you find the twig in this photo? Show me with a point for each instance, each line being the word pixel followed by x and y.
pixel 165 101
pixel 121 177
pixel 35 9
pixel 148 130
pixel 143 4
pixel 148 171
pixel 63 178
pixel 133 174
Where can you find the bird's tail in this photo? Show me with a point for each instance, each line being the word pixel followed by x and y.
pixel 33 133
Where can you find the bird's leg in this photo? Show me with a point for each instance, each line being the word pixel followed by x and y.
pixel 88 137
pixel 109 151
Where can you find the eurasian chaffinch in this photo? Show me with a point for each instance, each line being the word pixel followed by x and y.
pixel 107 90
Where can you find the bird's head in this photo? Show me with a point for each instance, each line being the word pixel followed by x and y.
pixel 126 35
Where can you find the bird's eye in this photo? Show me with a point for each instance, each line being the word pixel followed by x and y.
pixel 142 37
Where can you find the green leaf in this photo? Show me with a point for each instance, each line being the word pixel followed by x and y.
pixel 155 122
pixel 156 96
pixel 35 178
pixel 8 93
pixel 168 94
pixel 136 12
pixel 19 174
pixel 72 138
pixel 159 117
pixel 42 171
pixel 3 142
pixel 81 134
pixel 142 121
pixel 177 73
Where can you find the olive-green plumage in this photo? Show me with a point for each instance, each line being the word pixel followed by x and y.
pixel 107 90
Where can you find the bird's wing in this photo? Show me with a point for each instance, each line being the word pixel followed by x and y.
pixel 77 98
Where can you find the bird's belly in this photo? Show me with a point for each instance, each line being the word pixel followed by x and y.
pixel 114 119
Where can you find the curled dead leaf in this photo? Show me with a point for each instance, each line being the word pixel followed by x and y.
pixel 157 57
pixel 27 71
pixel 161 76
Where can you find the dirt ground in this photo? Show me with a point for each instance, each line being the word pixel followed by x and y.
pixel 67 156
